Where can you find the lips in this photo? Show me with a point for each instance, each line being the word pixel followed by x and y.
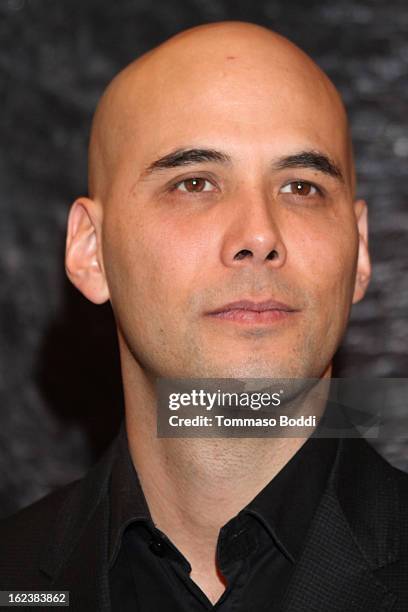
pixel 249 312
pixel 249 305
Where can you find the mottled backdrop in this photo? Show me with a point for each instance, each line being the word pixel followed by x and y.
pixel 60 393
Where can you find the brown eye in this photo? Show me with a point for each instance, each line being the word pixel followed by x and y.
pixel 300 188
pixel 194 185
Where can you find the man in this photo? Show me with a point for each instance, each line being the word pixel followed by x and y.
pixel 222 225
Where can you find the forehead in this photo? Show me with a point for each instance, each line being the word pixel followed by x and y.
pixel 263 101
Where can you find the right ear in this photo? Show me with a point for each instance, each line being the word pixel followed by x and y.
pixel 83 253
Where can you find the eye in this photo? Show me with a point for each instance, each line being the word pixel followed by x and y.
pixel 194 185
pixel 300 188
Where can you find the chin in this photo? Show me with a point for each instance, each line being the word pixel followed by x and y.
pixel 251 369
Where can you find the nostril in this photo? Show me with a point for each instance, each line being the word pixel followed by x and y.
pixel 243 253
pixel 273 254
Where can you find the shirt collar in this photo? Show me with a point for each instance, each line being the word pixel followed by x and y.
pixel 285 507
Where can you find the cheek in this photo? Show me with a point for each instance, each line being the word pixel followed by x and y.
pixel 154 262
pixel 327 256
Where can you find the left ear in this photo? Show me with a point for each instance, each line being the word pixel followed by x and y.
pixel 363 272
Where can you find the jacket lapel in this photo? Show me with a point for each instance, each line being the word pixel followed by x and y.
pixel 332 573
pixel 86 573
pixel 353 533
pixel 76 558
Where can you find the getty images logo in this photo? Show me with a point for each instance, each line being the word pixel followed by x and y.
pixel 209 400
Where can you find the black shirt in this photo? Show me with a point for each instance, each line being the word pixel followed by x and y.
pixel 256 551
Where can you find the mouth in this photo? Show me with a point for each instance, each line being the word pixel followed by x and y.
pixel 250 312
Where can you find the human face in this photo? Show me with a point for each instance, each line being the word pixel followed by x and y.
pixel 258 206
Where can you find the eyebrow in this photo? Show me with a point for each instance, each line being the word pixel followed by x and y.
pixel 315 160
pixel 185 157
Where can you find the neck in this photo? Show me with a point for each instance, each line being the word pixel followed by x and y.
pixel 194 486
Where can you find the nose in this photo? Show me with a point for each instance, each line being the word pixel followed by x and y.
pixel 253 236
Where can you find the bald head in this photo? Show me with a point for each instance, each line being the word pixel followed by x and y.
pixel 233 62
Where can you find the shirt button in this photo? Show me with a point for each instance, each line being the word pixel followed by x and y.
pixel 157 547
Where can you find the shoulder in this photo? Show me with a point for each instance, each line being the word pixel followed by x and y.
pixel 372 493
pixel 359 456
pixel 363 464
pixel 374 496
pixel 30 518
pixel 49 526
pixel 24 536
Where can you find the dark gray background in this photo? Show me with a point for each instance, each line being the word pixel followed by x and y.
pixel 59 380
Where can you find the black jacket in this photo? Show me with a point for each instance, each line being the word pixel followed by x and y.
pixel 355 555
